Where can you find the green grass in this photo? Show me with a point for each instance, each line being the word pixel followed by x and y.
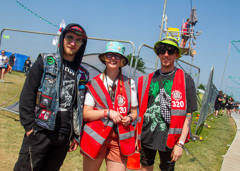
pixel 204 155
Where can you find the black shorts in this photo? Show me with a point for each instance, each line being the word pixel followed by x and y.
pixel 185 37
pixel 11 64
pixel 217 107
pixel 148 157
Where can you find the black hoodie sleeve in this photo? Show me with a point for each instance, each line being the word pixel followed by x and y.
pixel 28 95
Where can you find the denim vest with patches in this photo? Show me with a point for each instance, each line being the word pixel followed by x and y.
pixel 48 96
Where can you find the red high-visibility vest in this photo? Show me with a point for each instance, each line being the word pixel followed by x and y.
pixel 96 132
pixel 178 106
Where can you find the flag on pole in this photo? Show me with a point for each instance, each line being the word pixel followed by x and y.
pixel 62 26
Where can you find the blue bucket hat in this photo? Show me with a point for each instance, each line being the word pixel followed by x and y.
pixel 114 47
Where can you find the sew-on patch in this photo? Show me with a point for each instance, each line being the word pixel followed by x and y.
pixel 177 95
pixel 44 115
pixel 121 100
pixel 50 60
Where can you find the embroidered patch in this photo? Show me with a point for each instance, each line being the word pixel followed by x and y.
pixel 50 60
pixel 121 100
pixel 177 95
pixel 44 115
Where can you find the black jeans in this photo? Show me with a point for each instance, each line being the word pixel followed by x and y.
pixel 43 150
pixel 148 157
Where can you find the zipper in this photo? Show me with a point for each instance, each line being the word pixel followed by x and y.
pixel 30 155
pixel 71 106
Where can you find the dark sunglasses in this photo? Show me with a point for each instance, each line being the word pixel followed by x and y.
pixel 110 55
pixel 70 39
pixel 169 51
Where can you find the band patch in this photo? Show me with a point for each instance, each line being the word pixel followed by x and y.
pixel 44 115
pixel 50 60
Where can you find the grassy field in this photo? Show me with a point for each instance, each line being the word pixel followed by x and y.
pixel 204 155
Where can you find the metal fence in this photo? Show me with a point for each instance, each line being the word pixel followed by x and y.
pixel 41 42
pixel 208 102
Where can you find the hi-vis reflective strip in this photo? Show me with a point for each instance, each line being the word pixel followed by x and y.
pixel 107 122
pixel 93 134
pixel 99 92
pixel 175 130
pixel 127 88
pixel 126 135
pixel 145 82
pixel 178 112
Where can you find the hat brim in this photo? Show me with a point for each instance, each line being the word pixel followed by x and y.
pixel 101 58
pixel 76 32
pixel 169 43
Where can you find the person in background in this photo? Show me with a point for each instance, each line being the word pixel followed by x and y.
pixel 51 103
pixel 27 66
pixel 224 103
pixel 218 103
pixel 229 106
pixel 185 35
pixel 236 107
pixel 167 99
pixel 12 60
pixel 3 65
pixel 109 109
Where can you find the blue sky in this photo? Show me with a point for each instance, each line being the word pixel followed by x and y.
pixel 137 21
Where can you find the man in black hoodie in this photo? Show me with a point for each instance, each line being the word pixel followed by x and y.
pixel 51 104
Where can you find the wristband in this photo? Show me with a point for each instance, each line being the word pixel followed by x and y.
pixel 181 142
pixel 105 113
pixel 131 119
pixel 108 113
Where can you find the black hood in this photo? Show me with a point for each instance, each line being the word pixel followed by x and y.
pixel 80 53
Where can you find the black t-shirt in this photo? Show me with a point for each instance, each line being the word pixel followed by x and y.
pixel 67 98
pixel 11 58
pixel 217 102
pixel 27 63
pixel 157 116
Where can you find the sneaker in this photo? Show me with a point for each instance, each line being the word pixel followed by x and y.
pixel 2 80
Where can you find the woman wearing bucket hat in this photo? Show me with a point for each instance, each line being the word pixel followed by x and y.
pixel 167 98
pixel 109 109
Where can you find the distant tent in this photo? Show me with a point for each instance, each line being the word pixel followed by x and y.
pixel 19 61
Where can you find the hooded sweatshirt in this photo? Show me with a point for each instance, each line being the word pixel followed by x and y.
pixel 28 95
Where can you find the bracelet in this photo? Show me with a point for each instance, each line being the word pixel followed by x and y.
pixel 108 113
pixel 179 145
pixel 131 119
pixel 182 146
pixel 105 113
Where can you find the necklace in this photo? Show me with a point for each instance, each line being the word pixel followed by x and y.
pixel 167 74
pixel 111 89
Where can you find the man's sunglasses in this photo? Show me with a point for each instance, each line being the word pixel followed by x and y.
pixel 70 39
pixel 169 51
pixel 110 55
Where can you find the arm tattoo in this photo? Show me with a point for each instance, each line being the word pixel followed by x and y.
pixel 189 118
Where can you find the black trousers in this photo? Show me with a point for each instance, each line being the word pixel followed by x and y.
pixel 148 157
pixel 42 151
